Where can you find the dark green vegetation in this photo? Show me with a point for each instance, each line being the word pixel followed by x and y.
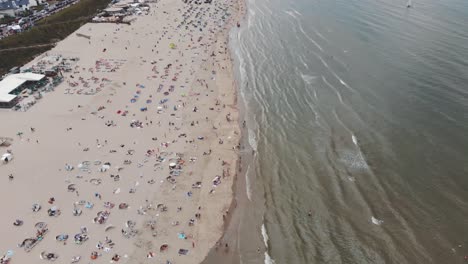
pixel 47 31
pixel 7 19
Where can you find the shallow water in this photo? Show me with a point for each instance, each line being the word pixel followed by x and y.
pixel 358 110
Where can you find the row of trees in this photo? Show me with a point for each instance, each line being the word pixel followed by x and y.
pixel 48 30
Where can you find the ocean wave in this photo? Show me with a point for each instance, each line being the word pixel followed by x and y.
pixel 247 184
pixel 303 62
pixel 291 13
pixel 252 139
pixel 308 79
pixel 353 159
pixel 334 89
pixel 265 235
pixel 334 73
pixel 297 12
pixel 343 82
pixel 309 37
pixel 353 137
pixel 320 35
pixel 250 18
pixel 376 221
pixel 242 74
pixel 268 259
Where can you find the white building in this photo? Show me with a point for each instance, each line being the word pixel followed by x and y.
pixel 13 84
pixel 10 7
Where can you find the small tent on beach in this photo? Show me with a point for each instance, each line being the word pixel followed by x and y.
pixel 7 157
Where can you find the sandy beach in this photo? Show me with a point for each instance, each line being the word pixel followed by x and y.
pixel 133 157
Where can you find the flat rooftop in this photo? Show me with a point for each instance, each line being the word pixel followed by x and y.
pixel 13 81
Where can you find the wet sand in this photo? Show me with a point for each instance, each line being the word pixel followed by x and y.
pixel 242 228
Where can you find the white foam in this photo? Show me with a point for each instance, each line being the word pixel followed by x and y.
pixel 343 82
pixel 268 259
pixel 297 12
pixel 252 140
pixel 308 79
pixel 353 137
pixel 265 235
pixel 247 184
pixel 354 159
pixel 242 74
pixel 376 221
pixel 291 14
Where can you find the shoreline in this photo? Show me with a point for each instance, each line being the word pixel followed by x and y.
pixel 244 208
pixel 64 147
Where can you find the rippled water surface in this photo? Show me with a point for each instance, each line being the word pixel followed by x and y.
pixel 358 110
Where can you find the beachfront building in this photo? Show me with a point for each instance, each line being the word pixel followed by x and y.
pixel 6 12
pixel 113 11
pixel 12 85
pixel 11 7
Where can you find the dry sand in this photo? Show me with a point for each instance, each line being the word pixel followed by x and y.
pixel 71 128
